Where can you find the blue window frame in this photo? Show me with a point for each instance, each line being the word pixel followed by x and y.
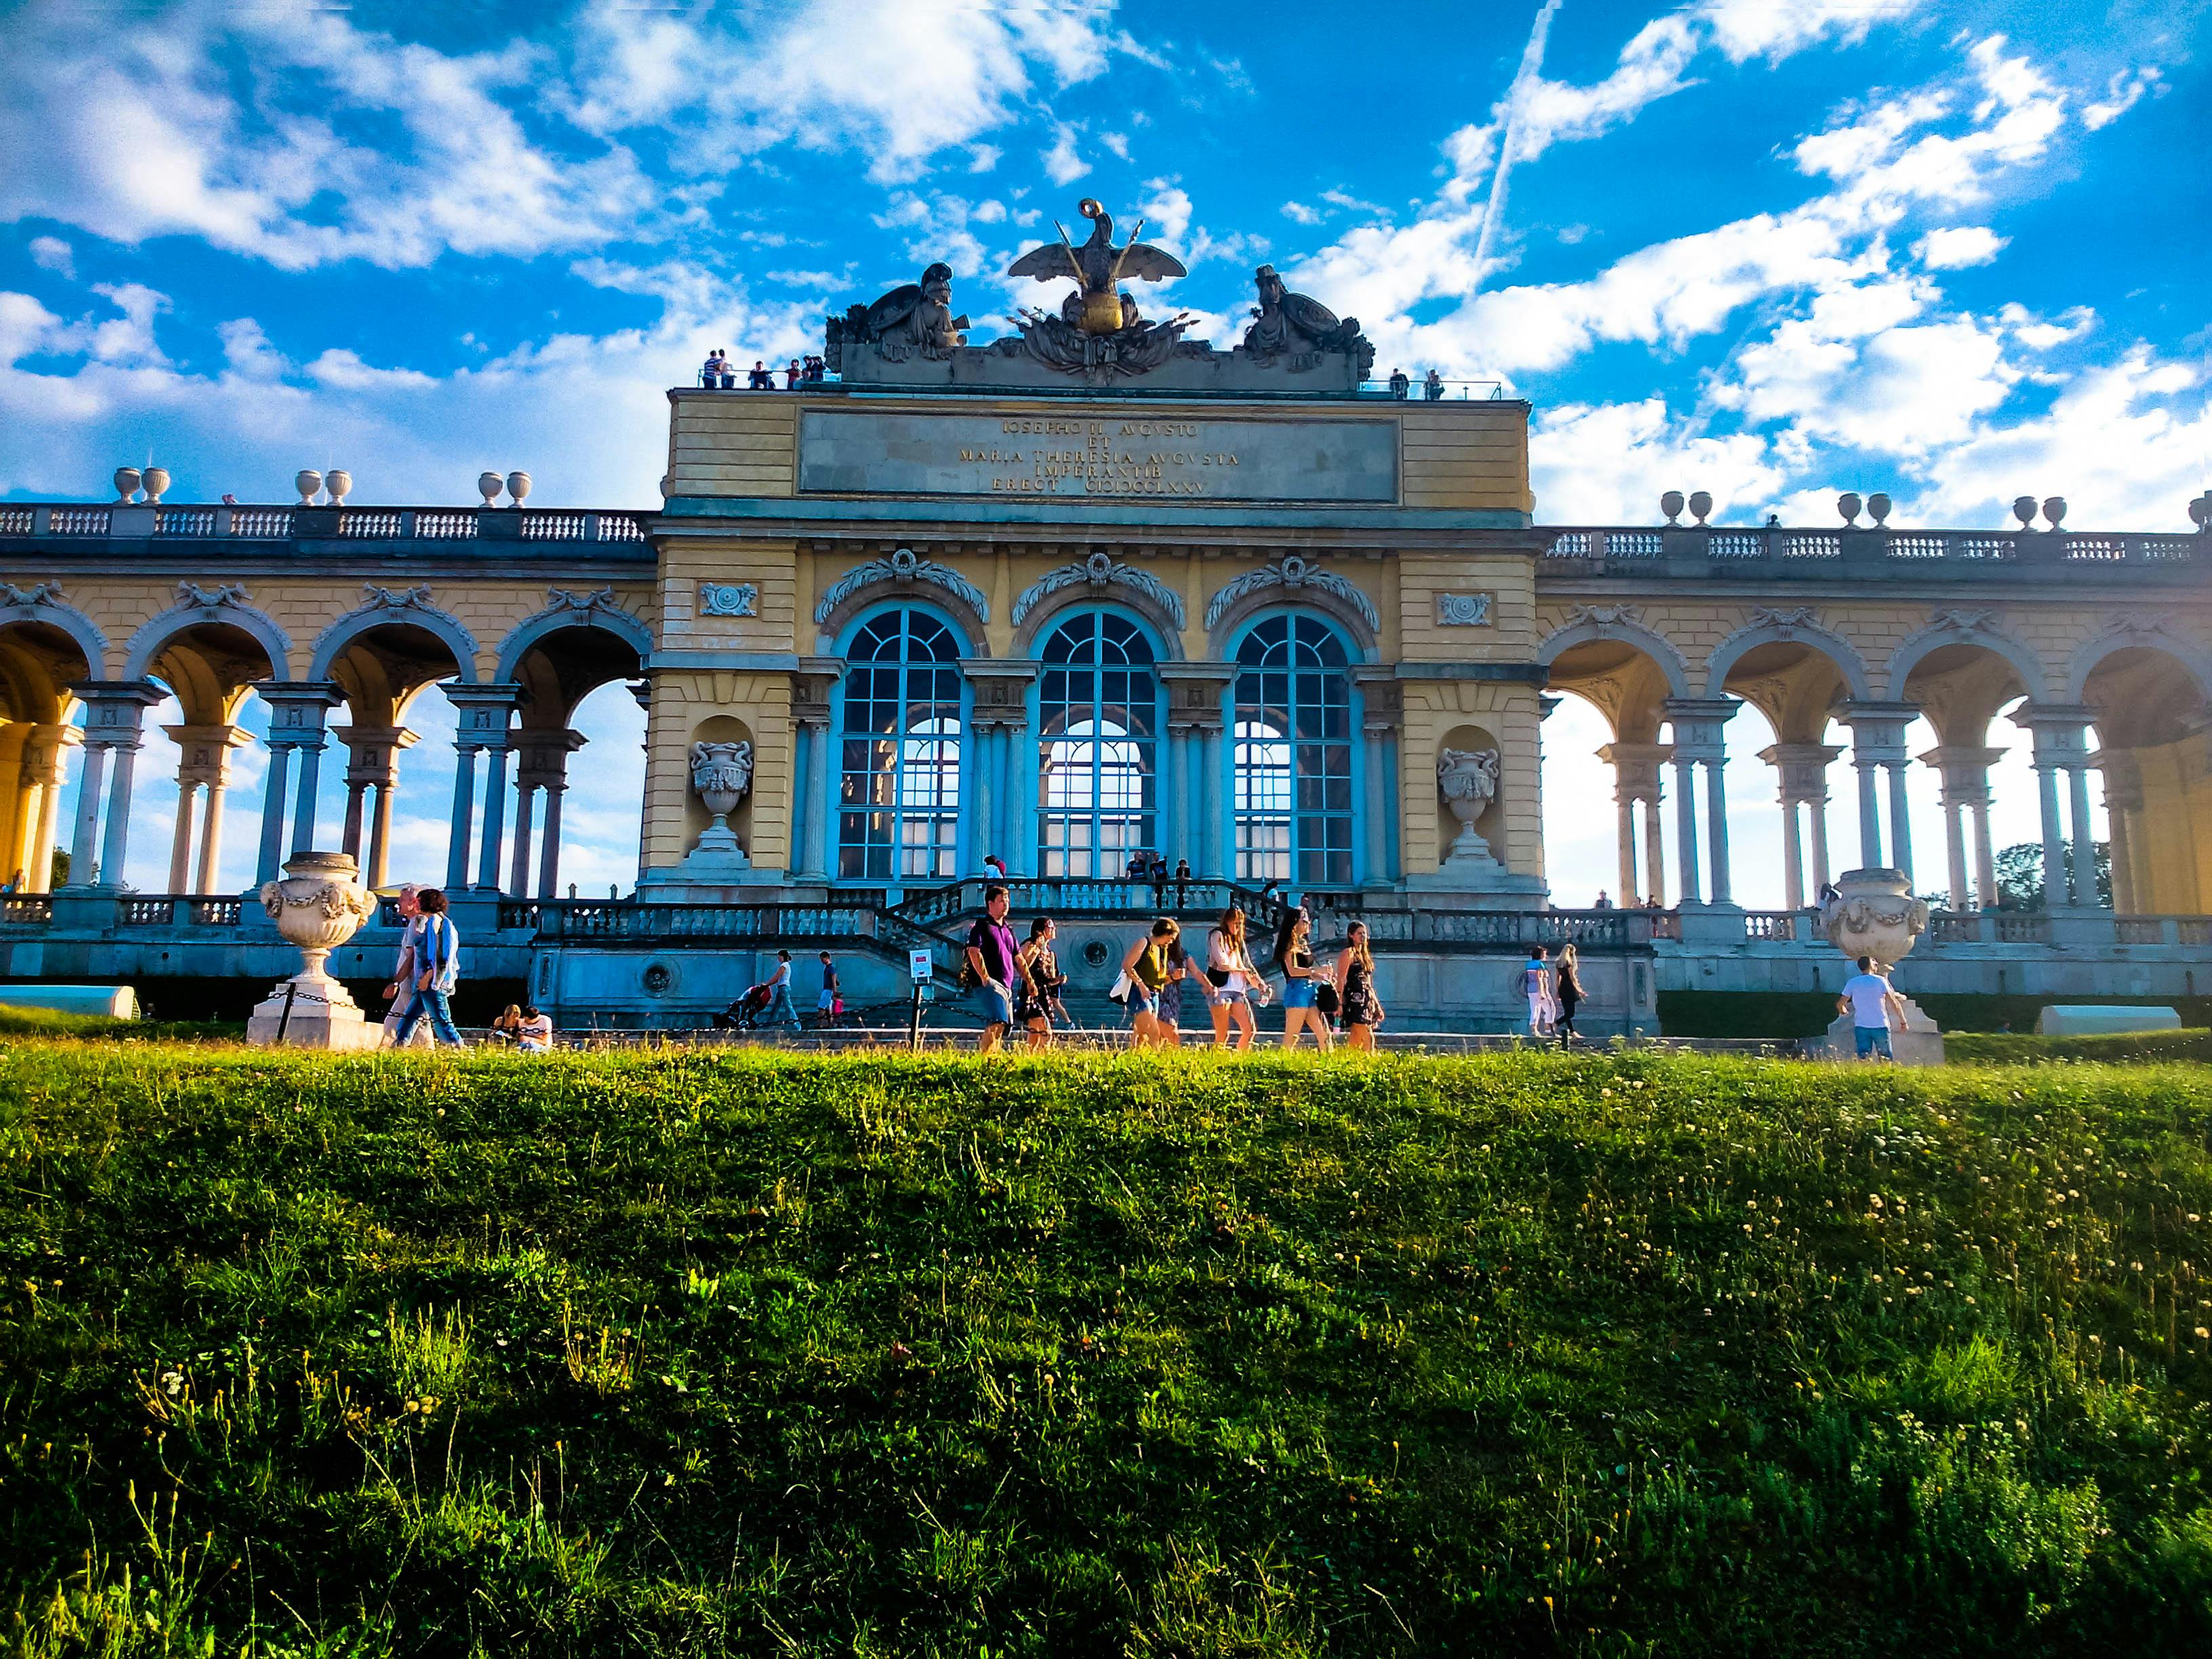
pixel 1098 718
pixel 1293 759
pixel 898 787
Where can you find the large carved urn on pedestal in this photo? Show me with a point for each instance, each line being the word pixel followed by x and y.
pixel 1469 781
pixel 317 907
pixel 1872 913
pixel 721 774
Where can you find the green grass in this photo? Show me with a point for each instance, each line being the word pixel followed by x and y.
pixel 693 1353
pixel 1807 1014
pixel 19 1022
pixel 2027 1047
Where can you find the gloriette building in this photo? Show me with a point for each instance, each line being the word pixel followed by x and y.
pixel 1092 591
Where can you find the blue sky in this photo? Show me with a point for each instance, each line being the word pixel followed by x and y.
pixel 1770 248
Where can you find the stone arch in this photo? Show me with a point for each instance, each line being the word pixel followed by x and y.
pixel 599 612
pixel 386 608
pixel 903 578
pixel 1796 626
pixel 1291 583
pixel 196 606
pixel 2136 635
pixel 1975 627
pixel 1623 623
pixel 1037 623
pixel 43 605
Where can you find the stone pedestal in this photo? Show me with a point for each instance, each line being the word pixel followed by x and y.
pixel 317 907
pixel 322 1016
pixel 1920 1043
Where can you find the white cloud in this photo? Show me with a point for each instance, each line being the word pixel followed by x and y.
pixel 1773 29
pixel 1061 164
pixel 1116 142
pixel 1299 213
pixel 1610 463
pixel 981 158
pixel 345 371
pixel 2041 333
pixel 1955 247
pixel 51 253
pixel 2121 93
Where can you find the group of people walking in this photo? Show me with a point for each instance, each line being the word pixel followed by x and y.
pixel 1554 991
pixel 1161 976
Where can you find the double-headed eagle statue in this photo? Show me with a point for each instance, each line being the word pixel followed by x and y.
pixel 1100 305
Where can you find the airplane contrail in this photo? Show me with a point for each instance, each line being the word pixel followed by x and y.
pixel 1532 64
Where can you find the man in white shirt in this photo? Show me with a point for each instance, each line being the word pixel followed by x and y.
pixel 401 991
pixel 1870 998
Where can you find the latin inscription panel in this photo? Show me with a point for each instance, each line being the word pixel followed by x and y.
pixel 1049 456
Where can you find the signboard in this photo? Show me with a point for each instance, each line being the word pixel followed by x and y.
pixel 1079 457
pixel 922 964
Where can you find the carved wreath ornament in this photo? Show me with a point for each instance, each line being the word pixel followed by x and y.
pixel 1292 572
pixel 904 565
pixel 1099 571
pixel 334 899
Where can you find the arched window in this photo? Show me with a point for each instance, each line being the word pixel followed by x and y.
pixel 898 795
pixel 1098 724
pixel 1293 755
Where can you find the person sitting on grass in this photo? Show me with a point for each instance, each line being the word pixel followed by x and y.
pixel 535 1036
pixel 507 1027
pixel 438 966
pixel 1870 998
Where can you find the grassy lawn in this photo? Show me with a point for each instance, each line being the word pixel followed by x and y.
pixel 691 1353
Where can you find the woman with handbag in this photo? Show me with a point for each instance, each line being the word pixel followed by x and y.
pixel 1145 970
pixel 1355 971
pixel 1302 984
pixel 1033 996
pixel 1568 992
pixel 1232 983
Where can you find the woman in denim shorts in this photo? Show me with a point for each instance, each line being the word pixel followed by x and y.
pixel 1149 971
pixel 1301 979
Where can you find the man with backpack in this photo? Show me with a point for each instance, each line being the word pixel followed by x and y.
pixel 437 967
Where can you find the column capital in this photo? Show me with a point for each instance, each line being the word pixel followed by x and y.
pixel 297 710
pixel 1803 768
pixel 1001 692
pixel 544 756
pixel 207 751
pixel 45 752
pixel 1637 769
pixel 1698 722
pixel 2123 770
pixel 810 684
pixel 113 710
pixel 1195 691
pixel 2061 732
pixel 1965 769
pixel 482 712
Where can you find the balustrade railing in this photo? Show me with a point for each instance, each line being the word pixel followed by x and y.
pixel 1732 545
pixel 1788 924
pixel 27 907
pixel 124 520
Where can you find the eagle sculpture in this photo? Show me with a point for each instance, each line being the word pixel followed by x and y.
pixel 1098 267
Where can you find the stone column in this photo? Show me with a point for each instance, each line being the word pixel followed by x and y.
pixel 83 845
pixel 181 837
pixel 1698 724
pixel 1195 697
pixel 297 712
pixel 371 766
pixel 1638 776
pixel 2124 803
pixel 1964 771
pixel 113 713
pixel 1691 889
pixel 543 766
pixel 1878 742
pixel 46 763
pixel 2084 837
pixel 811 812
pixel 1986 859
pixel 1654 855
pixel 483 713
pixel 203 763
pixel 1381 718
pixel 2060 732
pixel 270 859
pixel 999 721
pixel 1801 779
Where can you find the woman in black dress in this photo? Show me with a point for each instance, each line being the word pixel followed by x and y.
pixel 1568 983
pixel 1355 971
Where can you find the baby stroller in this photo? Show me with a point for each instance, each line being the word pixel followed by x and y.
pixel 745 1013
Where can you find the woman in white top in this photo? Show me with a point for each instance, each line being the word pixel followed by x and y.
pixel 1232 983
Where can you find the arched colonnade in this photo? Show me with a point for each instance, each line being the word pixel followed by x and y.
pixel 66 686
pixel 2128 700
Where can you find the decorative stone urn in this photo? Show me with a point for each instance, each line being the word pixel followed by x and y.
pixel 518 486
pixel 127 479
pixel 489 485
pixel 1872 913
pixel 339 482
pixel 317 907
pixel 721 774
pixel 156 482
pixel 306 481
pixel 1468 779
